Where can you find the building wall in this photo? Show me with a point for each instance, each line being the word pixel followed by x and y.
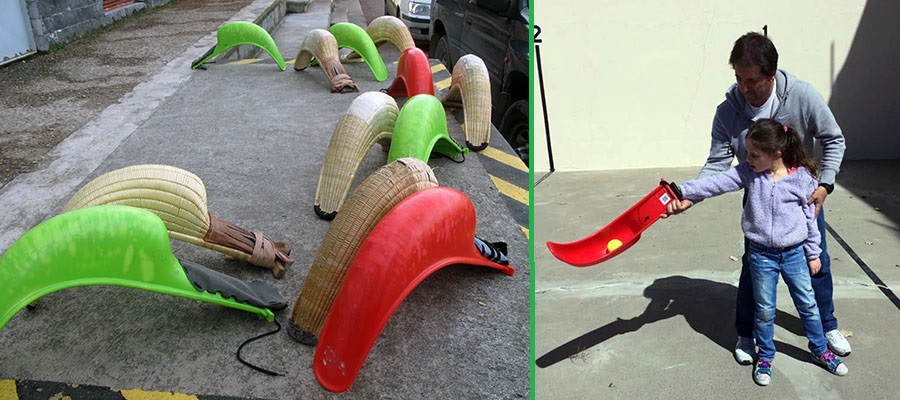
pixel 56 22
pixel 635 84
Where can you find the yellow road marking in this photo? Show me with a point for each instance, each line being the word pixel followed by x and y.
pixel 8 390
pixel 513 191
pixel 438 67
pixel 443 84
pixel 246 61
pixel 524 230
pixel 136 394
pixel 505 158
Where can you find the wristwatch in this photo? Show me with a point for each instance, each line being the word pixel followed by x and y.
pixel 828 187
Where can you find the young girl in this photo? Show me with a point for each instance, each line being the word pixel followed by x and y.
pixel 781 230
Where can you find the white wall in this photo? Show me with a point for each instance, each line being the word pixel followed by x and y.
pixel 635 84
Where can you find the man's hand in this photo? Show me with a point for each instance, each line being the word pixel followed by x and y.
pixel 677 207
pixel 814 266
pixel 818 197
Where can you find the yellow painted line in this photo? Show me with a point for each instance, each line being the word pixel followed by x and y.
pixel 524 230
pixel 438 67
pixel 513 191
pixel 443 84
pixel 505 158
pixel 136 394
pixel 246 61
pixel 8 390
pixel 290 61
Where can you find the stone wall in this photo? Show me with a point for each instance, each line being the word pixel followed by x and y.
pixel 57 22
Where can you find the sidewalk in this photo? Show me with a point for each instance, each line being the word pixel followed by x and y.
pixel 656 322
pixel 257 136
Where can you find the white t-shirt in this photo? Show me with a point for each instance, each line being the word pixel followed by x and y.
pixel 767 110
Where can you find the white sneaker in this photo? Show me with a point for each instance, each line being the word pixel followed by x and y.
pixel 831 363
pixel 841 370
pixel 762 374
pixel 744 350
pixel 837 343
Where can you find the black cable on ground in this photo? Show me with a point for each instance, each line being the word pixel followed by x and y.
pixel 260 369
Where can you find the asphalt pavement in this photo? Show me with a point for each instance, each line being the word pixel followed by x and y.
pixel 257 137
pixel 657 321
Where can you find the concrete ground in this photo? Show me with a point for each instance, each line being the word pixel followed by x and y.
pixel 48 96
pixel 257 137
pixel 656 322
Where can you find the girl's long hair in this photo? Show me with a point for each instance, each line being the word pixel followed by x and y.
pixel 770 136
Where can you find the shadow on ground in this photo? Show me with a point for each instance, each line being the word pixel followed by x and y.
pixel 707 306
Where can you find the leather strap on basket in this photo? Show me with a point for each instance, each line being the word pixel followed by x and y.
pixel 341 82
pixel 262 251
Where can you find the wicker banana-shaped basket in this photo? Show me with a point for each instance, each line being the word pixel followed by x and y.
pixel 321 45
pixel 369 120
pixel 178 197
pixel 388 28
pixel 374 197
pixel 385 28
pixel 471 85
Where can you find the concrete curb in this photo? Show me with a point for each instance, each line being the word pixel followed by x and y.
pixel 30 198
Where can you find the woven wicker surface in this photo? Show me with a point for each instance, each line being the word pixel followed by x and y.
pixel 384 29
pixel 178 197
pixel 175 195
pixel 390 29
pixel 322 45
pixel 319 44
pixel 471 84
pixel 374 197
pixel 370 119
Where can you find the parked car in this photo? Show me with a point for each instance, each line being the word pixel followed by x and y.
pixel 416 14
pixel 498 32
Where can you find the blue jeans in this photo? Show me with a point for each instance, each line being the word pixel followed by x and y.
pixel 821 283
pixel 765 265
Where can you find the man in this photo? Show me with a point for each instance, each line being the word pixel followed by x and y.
pixel 764 91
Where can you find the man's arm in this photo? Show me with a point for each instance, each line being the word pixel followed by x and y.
pixel 721 153
pixel 825 129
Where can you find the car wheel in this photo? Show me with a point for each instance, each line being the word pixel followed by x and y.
pixel 442 52
pixel 514 127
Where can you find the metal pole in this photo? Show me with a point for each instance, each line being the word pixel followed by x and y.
pixel 540 70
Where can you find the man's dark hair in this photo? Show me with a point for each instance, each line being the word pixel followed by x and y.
pixel 755 49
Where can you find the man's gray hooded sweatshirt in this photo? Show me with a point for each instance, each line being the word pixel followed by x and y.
pixel 798 105
pixel 776 213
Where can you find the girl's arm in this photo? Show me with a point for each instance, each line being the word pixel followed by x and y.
pixel 714 185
